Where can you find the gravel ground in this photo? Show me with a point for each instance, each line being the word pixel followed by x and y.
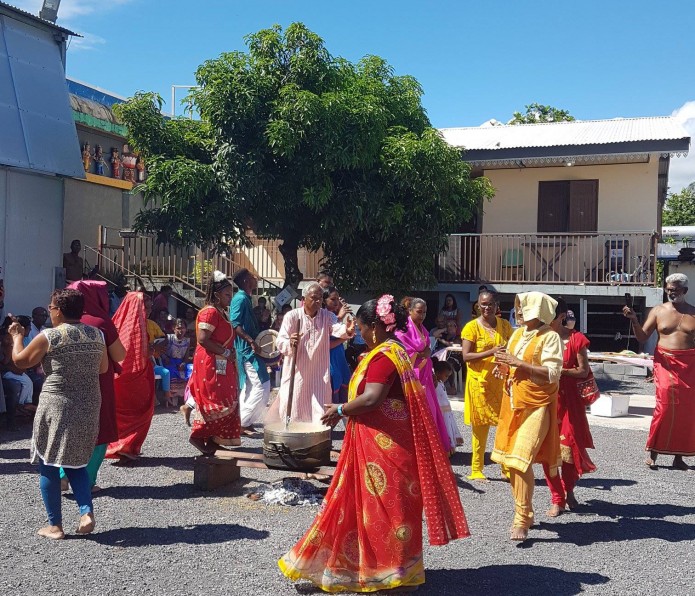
pixel 157 535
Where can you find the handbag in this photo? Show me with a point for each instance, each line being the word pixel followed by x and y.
pixel 588 390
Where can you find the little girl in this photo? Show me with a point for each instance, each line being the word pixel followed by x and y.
pixel 442 371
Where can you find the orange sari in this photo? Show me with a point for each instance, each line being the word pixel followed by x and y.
pixel 367 535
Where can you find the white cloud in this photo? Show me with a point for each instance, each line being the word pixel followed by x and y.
pixel 682 169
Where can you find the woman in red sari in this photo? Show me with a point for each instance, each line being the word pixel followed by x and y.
pixel 367 535
pixel 575 436
pixel 214 384
pixel 134 385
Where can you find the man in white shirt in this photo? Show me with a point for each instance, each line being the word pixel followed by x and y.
pixel 39 316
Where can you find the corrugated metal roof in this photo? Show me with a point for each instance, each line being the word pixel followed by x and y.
pixel 562 134
pixel 36 18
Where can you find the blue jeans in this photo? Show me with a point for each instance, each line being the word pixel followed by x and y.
pixel 166 377
pixel 49 483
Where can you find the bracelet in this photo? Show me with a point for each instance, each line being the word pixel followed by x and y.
pixel 340 410
pixel 227 353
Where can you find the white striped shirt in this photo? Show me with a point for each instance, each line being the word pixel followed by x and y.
pixel 312 379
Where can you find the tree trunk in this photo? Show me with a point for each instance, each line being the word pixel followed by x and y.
pixel 288 250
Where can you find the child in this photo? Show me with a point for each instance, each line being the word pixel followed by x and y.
pixel 159 348
pixel 442 371
pixel 177 355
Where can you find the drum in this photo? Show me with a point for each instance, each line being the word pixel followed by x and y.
pixel 267 342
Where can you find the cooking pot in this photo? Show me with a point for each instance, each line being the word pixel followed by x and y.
pixel 300 446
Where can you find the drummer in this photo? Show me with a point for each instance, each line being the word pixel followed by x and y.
pixel 254 381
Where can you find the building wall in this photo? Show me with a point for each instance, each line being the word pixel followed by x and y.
pixel 627 196
pixel 89 205
pixel 31 215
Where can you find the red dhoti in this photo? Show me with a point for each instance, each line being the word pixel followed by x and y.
pixel 673 426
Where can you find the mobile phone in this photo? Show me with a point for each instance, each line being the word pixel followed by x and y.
pixel 628 300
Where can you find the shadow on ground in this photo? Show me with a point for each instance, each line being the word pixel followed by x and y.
pixel 516 580
pixel 195 534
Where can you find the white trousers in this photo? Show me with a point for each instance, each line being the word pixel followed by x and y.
pixel 254 397
pixel 27 392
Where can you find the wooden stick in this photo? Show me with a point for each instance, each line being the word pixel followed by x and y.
pixel 293 369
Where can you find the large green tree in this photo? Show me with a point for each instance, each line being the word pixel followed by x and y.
pixel 536 112
pixel 680 207
pixel 313 150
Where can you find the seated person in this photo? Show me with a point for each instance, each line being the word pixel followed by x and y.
pixel 451 335
pixel 157 349
pixel 277 323
pixel 24 399
pixel 35 373
pixel 178 354
pixel 436 333
pixel 262 313
pixel 39 316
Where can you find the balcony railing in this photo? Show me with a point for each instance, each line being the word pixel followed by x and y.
pixel 599 258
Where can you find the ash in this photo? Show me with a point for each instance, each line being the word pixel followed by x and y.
pixel 288 491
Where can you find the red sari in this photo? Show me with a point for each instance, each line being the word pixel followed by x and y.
pixel 134 385
pixel 673 426
pixel 367 535
pixel 215 391
pixel 575 436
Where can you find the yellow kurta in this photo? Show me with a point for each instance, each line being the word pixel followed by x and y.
pixel 483 396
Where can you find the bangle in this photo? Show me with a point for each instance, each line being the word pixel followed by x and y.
pixel 340 410
pixel 227 353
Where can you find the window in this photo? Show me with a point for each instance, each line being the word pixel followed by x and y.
pixel 568 206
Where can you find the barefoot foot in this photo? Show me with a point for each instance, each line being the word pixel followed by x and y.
pixel 554 510
pixel 518 534
pixel 52 532
pixel 186 411
pixel 205 447
pixel 87 524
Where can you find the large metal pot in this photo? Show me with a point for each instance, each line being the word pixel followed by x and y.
pixel 300 446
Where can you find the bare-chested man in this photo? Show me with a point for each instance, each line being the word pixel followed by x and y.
pixel 673 426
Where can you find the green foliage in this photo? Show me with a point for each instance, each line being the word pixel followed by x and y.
pixel 536 112
pixel 679 209
pixel 313 150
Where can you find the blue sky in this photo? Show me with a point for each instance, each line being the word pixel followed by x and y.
pixel 475 60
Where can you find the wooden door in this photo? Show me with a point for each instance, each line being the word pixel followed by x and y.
pixel 583 206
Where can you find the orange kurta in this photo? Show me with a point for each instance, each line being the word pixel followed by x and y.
pixel 516 442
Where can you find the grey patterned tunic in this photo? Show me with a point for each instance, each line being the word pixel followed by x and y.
pixel 67 419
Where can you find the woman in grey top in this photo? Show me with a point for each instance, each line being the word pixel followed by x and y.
pixel 67 419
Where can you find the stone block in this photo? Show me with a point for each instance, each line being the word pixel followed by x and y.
pixel 210 473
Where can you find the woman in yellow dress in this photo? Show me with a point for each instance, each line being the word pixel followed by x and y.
pixel 482 338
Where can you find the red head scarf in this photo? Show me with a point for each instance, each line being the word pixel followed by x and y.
pixel 131 322
pixel 96 297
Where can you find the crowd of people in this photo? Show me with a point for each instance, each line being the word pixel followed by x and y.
pixel 90 382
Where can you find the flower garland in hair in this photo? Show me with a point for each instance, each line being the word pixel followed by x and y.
pixel 384 310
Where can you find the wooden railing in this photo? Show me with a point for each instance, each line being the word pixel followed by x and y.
pixel 599 258
pixel 141 256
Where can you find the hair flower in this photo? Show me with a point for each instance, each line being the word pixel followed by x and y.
pixel 384 310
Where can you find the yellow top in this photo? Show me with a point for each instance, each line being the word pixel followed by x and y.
pixel 483 395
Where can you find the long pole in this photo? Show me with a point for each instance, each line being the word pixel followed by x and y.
pixel 293 369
